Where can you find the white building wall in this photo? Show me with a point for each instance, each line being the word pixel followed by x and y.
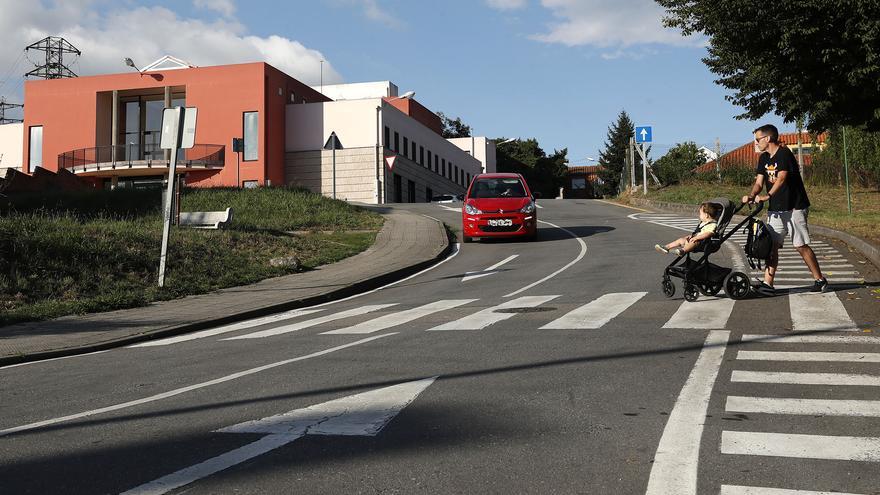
pixel 358 91
pixel 355 123
pixel 11 147
pixel 481 148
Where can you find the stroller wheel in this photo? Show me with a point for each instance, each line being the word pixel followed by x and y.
pixel 668 288
pixel 709 289
pixel 691 293
pixel 736 285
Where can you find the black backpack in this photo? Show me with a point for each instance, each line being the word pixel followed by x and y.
pixel 759 243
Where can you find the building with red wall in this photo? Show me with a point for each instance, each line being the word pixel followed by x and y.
pixel 107 127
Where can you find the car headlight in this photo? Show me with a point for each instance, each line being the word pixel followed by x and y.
pixel 528 208
pixel 471 209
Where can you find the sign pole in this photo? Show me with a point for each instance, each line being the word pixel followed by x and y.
pixel 177 125
pixel 334 172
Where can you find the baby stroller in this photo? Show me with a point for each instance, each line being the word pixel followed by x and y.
pixel 702 276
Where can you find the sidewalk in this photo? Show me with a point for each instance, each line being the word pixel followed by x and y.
pixel 407 243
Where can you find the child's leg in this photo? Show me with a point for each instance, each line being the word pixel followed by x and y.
pixel 690 246
pixel 680 242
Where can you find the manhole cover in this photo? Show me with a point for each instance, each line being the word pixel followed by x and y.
pixel 525 310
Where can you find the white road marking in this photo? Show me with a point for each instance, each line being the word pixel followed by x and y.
pixel 457 210
pixel 489 316
pixel 51 359
pixel 314 321
pixel 813 339
pixel 557 272
pixel 399 318
pixel 833 357
pixel 362 414
pixel 706 313
pixel 597 313
pixel 817 312
pixel 803 407
pixel 759 490
pixel 229 328
pixel 801 446
pixel 189 388
pixel 779 377
pixel 675 463
pixel 488 271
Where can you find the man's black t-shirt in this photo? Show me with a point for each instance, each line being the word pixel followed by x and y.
pixel 792 195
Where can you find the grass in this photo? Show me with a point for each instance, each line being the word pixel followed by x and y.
pixel 828 204
pixel 69 255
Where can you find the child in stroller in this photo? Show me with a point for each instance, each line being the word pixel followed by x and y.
pixel 708 225
pixel 698 273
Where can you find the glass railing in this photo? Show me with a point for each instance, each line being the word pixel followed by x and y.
pixel 130 155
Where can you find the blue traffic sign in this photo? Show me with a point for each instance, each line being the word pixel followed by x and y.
pixel 643 134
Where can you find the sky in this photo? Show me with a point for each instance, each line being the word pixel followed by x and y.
pixel 560 71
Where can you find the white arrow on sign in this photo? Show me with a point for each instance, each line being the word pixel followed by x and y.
pixel 488 271
pixel 364 414
pixel 644 134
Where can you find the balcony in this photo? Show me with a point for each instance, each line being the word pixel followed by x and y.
pixel 133 160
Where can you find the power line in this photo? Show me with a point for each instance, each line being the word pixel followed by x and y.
pixel 54 67
pixel 8 106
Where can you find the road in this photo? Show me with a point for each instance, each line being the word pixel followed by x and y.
pixel 549 367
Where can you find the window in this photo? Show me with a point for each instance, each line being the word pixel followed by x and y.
pixel 578 183
pixel 428 194
pixel 413 155
pixel 422 156
pixel 451 177
pixel 410 191
pixel 35 148
pixel 456 179
pixel 436 163
pixel 443 167
pixel 405 147
pixel 292 97
pixel 251 133
pixel 429 160
pixel 468 180
pixel 387 140
pixel 250 184
pixel 396 142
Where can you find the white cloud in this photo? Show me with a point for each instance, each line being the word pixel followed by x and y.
pixel 224 7
pixel 106 34
pixel 612 24
pixel 506 4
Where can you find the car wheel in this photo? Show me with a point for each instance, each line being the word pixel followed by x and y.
pixel 467 240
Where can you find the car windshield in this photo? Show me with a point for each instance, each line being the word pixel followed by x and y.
pixel 498 188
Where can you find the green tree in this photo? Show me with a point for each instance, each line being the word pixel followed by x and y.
pixel 863 156
pixel 453 128
pixel 679 162
pixel 613 158
pixel 545 174
pixel 813 59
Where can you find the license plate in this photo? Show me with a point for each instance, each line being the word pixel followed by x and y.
pixel 504 222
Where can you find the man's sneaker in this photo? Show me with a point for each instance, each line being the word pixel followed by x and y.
pixel 820 285
pixel 765 290
pixel 661 249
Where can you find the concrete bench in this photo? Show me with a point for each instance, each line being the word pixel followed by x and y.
pixel 206 219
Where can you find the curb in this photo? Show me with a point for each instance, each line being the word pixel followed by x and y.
pixel 867 249
pixel 350 290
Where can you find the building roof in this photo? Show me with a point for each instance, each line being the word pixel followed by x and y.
pixel 168 62
pixel 745 155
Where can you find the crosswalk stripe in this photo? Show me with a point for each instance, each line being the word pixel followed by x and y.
pixel 842 357
pixel 705 313
pixel 813 339
pixel 760 490
pixel 789 378
pixel 488 316
pixel 310 323
pixel 243 325
pixel 835 280
pixel 803 407
pixel 395 319
pixel 597 313
pixel 817 312
pixel 841 448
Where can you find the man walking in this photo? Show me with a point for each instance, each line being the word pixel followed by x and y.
pixel 787 205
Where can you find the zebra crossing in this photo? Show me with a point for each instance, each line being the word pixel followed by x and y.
pixel 810 312
pixel 839 441
pixel 792 272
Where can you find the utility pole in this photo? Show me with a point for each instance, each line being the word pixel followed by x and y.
pixel 718 158
pixel 8 106
pixel 632 163
pixel 54 67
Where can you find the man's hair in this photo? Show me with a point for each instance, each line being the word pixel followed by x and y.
pixel 769 130
pixel 711 209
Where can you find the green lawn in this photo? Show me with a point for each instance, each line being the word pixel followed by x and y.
pixel 86 252
pixel 829 205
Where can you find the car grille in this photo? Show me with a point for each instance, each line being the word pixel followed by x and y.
pixel 506 228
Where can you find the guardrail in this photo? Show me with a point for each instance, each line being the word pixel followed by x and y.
pixel 130 156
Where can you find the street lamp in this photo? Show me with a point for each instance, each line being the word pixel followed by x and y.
pixel 129 62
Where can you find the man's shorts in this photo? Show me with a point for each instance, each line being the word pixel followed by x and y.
pixel 783 223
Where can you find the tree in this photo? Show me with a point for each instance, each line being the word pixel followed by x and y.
pixel 454 128
pixel 613 158
pixel 545 174
pixel 679 162
pixel 813 59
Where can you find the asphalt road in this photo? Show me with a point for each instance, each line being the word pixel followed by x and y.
pixel 562 370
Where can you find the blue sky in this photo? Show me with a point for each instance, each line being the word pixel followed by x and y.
pixel 557 70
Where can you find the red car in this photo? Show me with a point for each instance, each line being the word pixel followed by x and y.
pixel 499 205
